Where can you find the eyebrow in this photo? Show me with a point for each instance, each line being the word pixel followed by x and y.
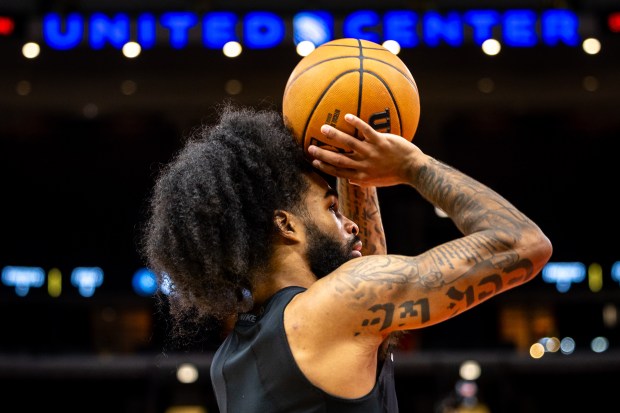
pixel 331 191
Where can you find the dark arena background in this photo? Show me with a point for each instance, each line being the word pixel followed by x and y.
pixel 96 95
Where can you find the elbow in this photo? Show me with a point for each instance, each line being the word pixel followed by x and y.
pixel 543 246
pixel 546 247
pixel 538 249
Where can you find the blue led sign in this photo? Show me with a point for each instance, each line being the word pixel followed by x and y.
pixel 87 279
pixel 263 29
pixel 315 26
pixel 22 278
pixel 564 274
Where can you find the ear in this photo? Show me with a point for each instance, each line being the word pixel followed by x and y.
pixel 286 225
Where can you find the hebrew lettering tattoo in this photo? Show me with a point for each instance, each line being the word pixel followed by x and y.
pixel 407 309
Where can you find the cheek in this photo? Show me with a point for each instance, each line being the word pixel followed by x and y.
pixel 331 224
pixel 339 228
pixel 336 222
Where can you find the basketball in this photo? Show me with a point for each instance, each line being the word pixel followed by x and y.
pixel 350 76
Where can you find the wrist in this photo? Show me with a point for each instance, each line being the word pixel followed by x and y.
pixel 414 162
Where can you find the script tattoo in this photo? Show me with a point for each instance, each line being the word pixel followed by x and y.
pixel 385 273
pixel 407 309
pixel 383 276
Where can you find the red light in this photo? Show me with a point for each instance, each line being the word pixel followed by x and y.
pixel 7 25
pixel 614 22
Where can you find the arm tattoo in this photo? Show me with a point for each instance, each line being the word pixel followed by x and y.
pixel 396 290
pixel 361 205
pixel 470 204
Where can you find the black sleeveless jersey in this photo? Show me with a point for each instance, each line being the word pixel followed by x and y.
pixel 254 371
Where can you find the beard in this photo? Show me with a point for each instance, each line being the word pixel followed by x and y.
pixel 325 253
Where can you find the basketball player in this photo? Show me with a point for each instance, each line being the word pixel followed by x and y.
pixel 246 228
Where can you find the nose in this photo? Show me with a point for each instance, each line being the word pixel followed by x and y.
pixel 352 227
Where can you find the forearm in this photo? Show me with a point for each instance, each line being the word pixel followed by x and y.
pixel 361 205
pixel 471 205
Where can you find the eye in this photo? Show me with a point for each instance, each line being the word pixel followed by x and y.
pixel 333 207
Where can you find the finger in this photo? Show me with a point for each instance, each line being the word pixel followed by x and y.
pixel 354 183
pixel 365 129
pixel 349 174
pixel 343 139
pixel 330 157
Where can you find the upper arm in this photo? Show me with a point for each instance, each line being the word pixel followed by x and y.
pixel 374 295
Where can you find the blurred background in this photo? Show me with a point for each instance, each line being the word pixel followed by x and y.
pixel 96 95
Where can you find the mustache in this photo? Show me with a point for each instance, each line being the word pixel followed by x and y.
pixel 353 241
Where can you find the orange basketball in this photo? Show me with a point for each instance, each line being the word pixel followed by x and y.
pixel 350 76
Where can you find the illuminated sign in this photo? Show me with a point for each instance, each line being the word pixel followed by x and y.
pixel 264 29
pixel 563 274
pixel 87 279
pixel 22 278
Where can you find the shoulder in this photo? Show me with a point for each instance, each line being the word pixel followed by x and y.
pixel 338 304
pixel 328 343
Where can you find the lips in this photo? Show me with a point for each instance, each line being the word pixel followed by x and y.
pixel 357 249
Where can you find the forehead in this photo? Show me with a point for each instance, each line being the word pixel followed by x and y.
pixel 319 188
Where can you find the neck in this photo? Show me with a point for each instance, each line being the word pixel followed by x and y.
pixel 287 269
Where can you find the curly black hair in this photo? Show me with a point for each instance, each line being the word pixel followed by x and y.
pixel 210 223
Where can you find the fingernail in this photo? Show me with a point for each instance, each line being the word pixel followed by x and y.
pixel 324 129
pixel 348 116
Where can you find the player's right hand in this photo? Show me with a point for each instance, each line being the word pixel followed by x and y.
pixel 376 158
